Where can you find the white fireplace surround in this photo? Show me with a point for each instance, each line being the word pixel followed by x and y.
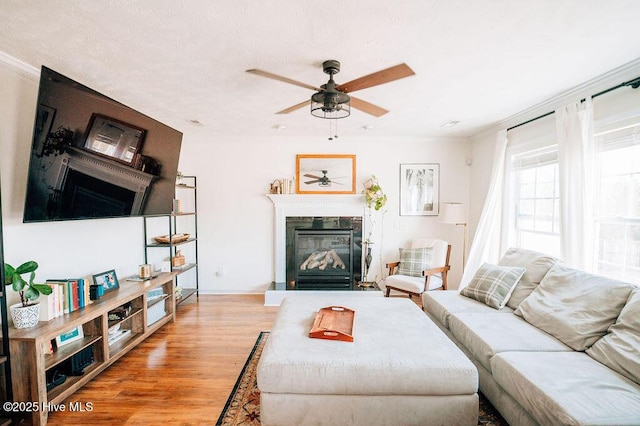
pixel 309 205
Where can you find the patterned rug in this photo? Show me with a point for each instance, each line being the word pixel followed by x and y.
pixel 243 406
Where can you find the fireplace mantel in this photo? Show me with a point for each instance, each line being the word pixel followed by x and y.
pixel 290 205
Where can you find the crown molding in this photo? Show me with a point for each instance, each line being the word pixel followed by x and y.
pixel 626 72
pixel 22 68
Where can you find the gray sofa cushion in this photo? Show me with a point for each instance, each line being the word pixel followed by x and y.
pixel 619 349
pixel 574 306
pixel 568 388
pixel 485 334
pixel 536 264
pixel 493 284
pixel 441 304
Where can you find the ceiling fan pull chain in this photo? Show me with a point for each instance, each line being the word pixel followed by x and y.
pixel 333 123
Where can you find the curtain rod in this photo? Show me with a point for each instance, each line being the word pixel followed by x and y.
pixel 634 84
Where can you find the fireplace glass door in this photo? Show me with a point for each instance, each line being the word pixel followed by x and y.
pixel 323 258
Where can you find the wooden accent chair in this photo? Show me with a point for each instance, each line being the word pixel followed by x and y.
pixel 432 276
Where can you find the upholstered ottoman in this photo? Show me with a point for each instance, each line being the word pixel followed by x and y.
pixel 400 368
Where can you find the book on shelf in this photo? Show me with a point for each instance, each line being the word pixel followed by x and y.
pixel 67 295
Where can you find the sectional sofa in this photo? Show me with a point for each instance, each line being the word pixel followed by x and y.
pixel 553 345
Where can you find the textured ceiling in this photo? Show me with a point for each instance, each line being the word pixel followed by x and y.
pixel 477 62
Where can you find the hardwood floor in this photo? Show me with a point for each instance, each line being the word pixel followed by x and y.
pixel 183 373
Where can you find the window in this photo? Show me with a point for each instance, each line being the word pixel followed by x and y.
pixel 536 223
pixel 617 210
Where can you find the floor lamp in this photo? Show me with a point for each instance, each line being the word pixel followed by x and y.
pixel 453 213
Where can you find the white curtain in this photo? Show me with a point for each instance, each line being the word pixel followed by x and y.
pixel 486 242
pixel 574 124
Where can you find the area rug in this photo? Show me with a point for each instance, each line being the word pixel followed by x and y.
pixel 243 406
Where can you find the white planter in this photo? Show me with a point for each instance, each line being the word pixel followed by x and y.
pixel 25 316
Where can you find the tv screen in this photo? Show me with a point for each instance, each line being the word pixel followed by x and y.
pixel 93 157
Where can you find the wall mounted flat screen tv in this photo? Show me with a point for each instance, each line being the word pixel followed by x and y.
pixel 93 157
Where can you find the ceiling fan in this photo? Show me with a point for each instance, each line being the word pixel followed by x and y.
pixel 331 100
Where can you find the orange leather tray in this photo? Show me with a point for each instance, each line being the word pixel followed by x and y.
pixel 333 323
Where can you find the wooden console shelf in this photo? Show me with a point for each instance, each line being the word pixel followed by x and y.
pixel 31 361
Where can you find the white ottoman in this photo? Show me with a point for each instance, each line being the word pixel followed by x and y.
pixel 400 369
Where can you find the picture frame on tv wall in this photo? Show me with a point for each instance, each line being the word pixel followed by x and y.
pixel 108 280
pixel 114 138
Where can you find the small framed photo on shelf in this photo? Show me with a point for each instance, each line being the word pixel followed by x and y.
pixel 70 336
pixel 419 189
pixel 325 174
pixel 108 280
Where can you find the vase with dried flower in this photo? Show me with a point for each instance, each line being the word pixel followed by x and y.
pixel 375 199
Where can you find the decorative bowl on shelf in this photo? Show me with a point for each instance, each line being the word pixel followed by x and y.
pixel 175 238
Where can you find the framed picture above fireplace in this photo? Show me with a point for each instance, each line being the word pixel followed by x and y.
pixel 325 174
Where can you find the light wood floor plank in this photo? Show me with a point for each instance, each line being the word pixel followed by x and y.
pixel 183 373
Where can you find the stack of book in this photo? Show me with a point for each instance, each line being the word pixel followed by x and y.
pixel 67 295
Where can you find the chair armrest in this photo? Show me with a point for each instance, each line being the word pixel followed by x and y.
pixel 392 267
pixel 434 271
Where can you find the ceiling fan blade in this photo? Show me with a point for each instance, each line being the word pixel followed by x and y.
pixel 311 176
pixel 283 79
pixel 384 76
pixel 295 107
pixel 367 107
pixel 312 181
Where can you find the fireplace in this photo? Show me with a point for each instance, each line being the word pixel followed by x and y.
pixel 323 253
pixel 293 211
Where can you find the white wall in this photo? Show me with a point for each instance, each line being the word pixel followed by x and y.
pixel 235 217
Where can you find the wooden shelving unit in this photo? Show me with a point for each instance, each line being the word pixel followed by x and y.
pixel 186 191
pixel 32 361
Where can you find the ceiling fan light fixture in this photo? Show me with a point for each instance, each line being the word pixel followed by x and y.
pixel 330 105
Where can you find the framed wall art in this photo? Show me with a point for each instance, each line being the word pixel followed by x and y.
pixel 70 336
pixel 419 189
pixel 107 279
pixel 325 174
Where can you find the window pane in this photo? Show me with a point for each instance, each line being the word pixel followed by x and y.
pixel 618 212
pixel 537 214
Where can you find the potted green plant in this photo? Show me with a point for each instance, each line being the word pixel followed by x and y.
pixel 26 313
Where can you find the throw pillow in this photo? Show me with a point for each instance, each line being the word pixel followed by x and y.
pixel 537 265
pixel 574 306
pixel 492 284
pixel 618 349
pixel 414 261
